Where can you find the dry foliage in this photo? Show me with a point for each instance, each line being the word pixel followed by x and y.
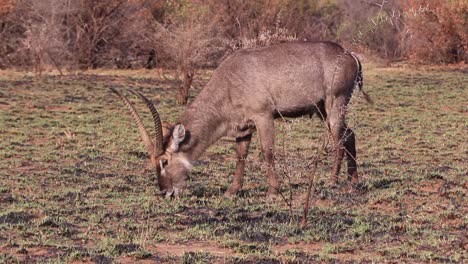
pixel 439 35
pixel 186 39
pixel 266 37
pixel 186 34
pixel 6 6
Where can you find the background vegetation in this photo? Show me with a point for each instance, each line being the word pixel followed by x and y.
pixel 192 33
pixel 73 187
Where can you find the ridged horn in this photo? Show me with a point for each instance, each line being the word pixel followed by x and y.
pixel 144 133
pixel 158 137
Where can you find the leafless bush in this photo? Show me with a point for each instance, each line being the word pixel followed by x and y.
pixel 44 37
pixel 97 27
pixel 300 168
pixel 187 42
pixel 11 35
pixel 295 168
pixel 311 20
pixel 437 31
pixel 266 37
pixel 32 31
pixel 63 33
pixel 185 35
pixel 376 26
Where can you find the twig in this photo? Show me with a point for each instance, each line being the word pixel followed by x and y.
pixel 315 163
pixel 55 63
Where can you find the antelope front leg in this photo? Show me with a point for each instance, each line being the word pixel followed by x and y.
pixel 242 150
pixel 266 132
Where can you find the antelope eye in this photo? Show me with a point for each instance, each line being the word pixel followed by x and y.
pixel 163 163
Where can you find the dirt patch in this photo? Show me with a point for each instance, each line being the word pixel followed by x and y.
pixel 384 208
pixel 180 249
pixel 27 167
pixel 40 141
pixel 431 187
pixel 89 262
pixel 58 108
pixel 131 260
pixel 309 248
pixel 4 105
pixel 31 254
pixel 456 222
pixel 323 203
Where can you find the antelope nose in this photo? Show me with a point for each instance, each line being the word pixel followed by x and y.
pixel 168 194
pixel 176 191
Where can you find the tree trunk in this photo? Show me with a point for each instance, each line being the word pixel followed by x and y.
pixel 151 63
pixel 182 97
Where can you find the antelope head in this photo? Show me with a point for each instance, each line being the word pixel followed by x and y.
pixel 170 165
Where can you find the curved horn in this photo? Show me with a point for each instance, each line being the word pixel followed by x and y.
pixel 144 133
pixel 157 122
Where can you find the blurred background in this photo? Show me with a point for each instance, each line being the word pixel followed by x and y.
pixel 82 34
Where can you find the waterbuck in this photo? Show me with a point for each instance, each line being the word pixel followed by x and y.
pixel 245 94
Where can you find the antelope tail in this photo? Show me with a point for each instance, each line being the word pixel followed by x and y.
pixel 360 81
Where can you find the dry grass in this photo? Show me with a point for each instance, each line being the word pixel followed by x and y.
pixel 73 188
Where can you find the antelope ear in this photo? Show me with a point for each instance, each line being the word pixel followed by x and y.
pixel 178 135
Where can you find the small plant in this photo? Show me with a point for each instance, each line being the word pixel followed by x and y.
pixel 196 258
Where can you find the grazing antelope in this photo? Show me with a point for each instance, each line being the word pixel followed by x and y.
pixel 245 94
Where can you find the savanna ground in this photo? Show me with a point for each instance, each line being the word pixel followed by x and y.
pixel 74 189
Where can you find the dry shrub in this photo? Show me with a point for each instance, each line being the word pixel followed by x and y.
pixel 187 48
pixel 266 37
pixel 188 34
pixel 31 35
pixel 337 20
pixel 6 6
pixel 373 26
pixel 306 19
pixel 185 39
pixel 96 27
pixel 11 35
pixel 44 39
pixel 64 33
pixel 439 35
